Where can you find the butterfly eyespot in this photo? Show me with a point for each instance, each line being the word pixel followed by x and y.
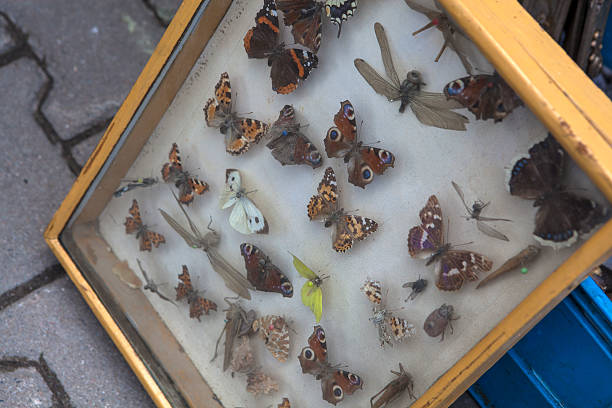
pixel 248 249
pixel 333 134
pixel 337 391
pixel 349 112
pixel 500 107
pixel 321 335
pixel 385 156
pixel 308 354
pixel 366 173
pixel 287 288
pixel 456 87
pixel 354 379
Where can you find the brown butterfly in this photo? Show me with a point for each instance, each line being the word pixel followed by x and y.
pixel 335 383
pixel 197 304
pixel 431 109
pixel 274 330
pixel 285 403
pixel 147 237
pixel 345 228
pixel 486 96
pixel 394 389
pixel 363 161
pixel 262 273
pixel 173 172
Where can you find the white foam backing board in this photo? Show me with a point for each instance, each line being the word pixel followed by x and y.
pixel 427 160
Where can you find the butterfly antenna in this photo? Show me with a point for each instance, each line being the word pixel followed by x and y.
pixel 209 224
pixel 249 192
pixel 465 243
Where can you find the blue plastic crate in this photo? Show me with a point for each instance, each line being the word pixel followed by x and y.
pixel 564 361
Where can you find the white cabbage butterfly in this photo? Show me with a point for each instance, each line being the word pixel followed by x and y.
pixel 245 217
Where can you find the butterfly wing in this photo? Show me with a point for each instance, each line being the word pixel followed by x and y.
pixel 302 269
pixel 195 186
pixel 457 266
pixel 262 274
pixel 313 358
pixel 366 162
pixel 243 133
pixel 233 184
pixel 184 288
pixel 373 291
pixel 284 125
pixel 255 220
pixel 174 167
pixel 261 40
pixel 289 68
pixel 148 239
pixel 380 85
pixel 339 11
pixel 400 328
pixel 351 228
pixel 338 383
pixel 133 223
pixel 326 201
pixel 216 110
pixel 340 139
pixel 312 298
pixel 275 332
pixel 424 239
pixel 305 17
pixel 294 149
pixel 199 306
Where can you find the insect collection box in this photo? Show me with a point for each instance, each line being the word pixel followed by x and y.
pixel 108 239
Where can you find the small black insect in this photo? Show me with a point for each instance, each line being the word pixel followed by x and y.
pixel 417 286
pixel 436 322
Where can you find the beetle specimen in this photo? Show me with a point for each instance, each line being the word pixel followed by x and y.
pixel 438 320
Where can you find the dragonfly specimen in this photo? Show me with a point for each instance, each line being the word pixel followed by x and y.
pixel 151 286
pixel 430 108
pixel 474 213
pixel 234 280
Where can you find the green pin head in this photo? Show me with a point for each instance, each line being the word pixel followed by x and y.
pixel 524 270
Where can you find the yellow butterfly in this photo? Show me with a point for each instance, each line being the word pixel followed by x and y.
pixel 312 295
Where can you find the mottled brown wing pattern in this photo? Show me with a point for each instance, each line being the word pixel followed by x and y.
pixel 456 267
pixel 326 202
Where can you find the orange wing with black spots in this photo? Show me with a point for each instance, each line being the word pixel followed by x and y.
pixel 197 304
pixel 326 201
pixel 184 288
pixel 173 172
pixel 134 223
pixel 352 228
pixel 150 239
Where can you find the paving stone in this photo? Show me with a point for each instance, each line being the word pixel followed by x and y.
pixel 56 321
pixel 24 388
pixel 33 177
pixel 6 41
pixel 94 50
pixel 83 150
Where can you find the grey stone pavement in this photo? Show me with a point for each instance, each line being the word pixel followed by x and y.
pixel 65 67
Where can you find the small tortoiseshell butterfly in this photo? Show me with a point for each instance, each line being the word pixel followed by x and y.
pixel 147 237
pixel 197 304
pixel 173 172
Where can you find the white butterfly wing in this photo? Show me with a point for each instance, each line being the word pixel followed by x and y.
pixel 255 219
pixel 233 184
pixel 238 218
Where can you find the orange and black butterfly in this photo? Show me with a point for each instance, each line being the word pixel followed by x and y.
pixel 197 304
pixel 173 172
pixel 147 237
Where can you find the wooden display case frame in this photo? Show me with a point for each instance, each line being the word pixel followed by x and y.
pixel 548 81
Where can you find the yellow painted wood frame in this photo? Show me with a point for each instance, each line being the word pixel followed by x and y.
pixel 548 81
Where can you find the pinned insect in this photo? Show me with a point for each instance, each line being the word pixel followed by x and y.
pixel 274 330
pixel 207 243
pixel 451 33
pixel 519 260
pixel 243 362
pixel 152 286
pixel 438 320
pixel 198 305
pixel 417 287
pixel 474 213
pixel 394 389
pixel 135 183
pixel 312 295
pixel 432 109
pixel 238 323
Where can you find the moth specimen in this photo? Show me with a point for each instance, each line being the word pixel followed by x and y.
pixel 284 404
pixel 173 172
pixel 453 37
pixel 133 184
pixel 262 273
pixel 134 225
pixel 454 266
pixel 345 228
pixel 240 133
pixel 519 260
pixel 394 389
pixel 312 295
pixel 432 109
pixel 417 287
pixel 383 320
pixel 305 17
pixel 363 161
pixel 438 320
pixel 474 213
pixel 197 304
pixel 151 286
pixel 486 96
pixel 238 323
pixel 288 144
pixel 243 362
pixel 235 281
pixel 562 216
pixel 274 331
pixel 245 216
pixel 335 383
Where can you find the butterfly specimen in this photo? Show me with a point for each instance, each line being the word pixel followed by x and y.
pixel 454 266
pixel 262 273
pixel 274 330
pixel 345 228
pixel 562 216
pixel 173 172
pixel 245 217
pixel 134 224
pixel 133 184
pixel 521 259
pixel 197 304
pixel 151 286
pixel 432 109
pixel 394 389
pixel 474 213
pixel 240 133
pixel 207 243
pixel 312 295
pixel 243 362
pixel 384 321
pixel 363 161
pixel 486 96
pixel 451 33
pixel 335 383
pixel 438 320
pixel 305 17
pixel 238 323
pixel 284 404
pixel 288 66
pixel 288 144
pixel 417 287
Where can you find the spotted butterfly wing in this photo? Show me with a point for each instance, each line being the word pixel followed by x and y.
pixel 133 223
pixel 350 228
pixel 325 203
pixel 147 238
pixel 197 304
pixel 275 332
pixel 172 172
pixel 338 383
pixel 305 18
pixel 262 274
pixel 245 217
pixel 426 238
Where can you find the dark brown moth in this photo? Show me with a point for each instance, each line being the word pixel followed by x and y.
pixel 417 287
pixel 438 320
pixel 234 280
pixel 451 33
pixel 519 260
pixel 151 286
pixel 430 108
pixel 394 389
pixel 474 213
pixel 238 323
